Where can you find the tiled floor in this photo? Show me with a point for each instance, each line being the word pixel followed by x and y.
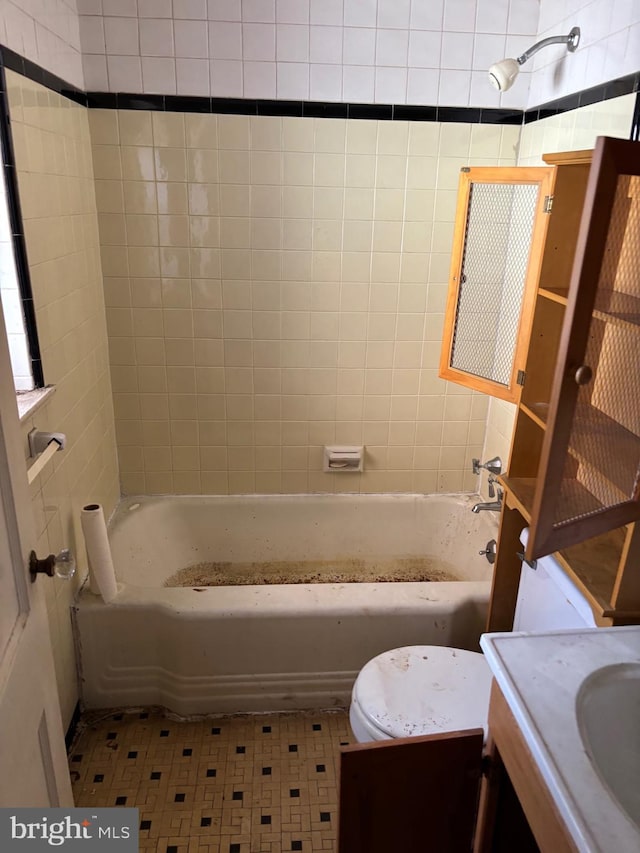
pixel 243 784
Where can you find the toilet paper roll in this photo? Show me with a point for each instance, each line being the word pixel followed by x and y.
pixel 101 571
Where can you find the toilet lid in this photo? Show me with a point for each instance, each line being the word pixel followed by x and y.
pixel 421 690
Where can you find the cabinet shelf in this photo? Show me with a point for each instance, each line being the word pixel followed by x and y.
pixel 555 294
pixel 594 566
pixel 590 429
pixel 615 307
pixel 520 493
pixel 576 499
pixel 538 412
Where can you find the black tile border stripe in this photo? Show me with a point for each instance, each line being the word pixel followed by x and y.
pixel 15 62
pixel 301 109
pixel 605 91
pixel 318 109
pixel 17 233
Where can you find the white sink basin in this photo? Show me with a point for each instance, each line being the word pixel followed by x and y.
pixel 608 714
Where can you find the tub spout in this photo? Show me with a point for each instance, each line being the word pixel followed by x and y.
pixel 494 506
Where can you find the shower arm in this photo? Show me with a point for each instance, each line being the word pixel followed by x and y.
pixel 570 40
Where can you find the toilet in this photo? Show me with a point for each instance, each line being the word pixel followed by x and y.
pixel 423 690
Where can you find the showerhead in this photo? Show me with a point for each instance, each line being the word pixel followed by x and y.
pixel 503 74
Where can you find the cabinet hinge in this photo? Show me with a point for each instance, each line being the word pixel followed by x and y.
pixel 533 564
pixel 465 169
pixel 520 377
pixel 548 203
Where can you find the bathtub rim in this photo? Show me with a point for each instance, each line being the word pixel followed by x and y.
pixel 282 599
pixel 162 496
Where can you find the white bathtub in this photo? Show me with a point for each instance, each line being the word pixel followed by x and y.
pixel 273 647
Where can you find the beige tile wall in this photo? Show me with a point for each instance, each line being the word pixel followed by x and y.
pixel 272 285
pixel 277 284
pixel 569 131
pixel 576 129
pixel 55 178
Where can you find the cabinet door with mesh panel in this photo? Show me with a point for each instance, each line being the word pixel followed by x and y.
pixel 589 475
pixel 497 251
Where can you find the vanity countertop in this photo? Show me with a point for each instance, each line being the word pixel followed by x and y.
pixel 541 676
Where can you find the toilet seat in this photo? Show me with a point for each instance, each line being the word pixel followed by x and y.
pixel 420 690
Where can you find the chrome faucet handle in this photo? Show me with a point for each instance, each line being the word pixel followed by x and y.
pixel 489 551
pixel 493 466
pixel 491 488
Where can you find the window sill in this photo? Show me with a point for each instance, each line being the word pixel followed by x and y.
pixel 30 401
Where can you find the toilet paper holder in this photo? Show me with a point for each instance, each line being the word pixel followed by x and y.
pixel 43 446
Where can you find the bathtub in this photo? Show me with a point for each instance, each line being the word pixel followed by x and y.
pixel 291 646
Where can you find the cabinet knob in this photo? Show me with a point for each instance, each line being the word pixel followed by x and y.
pixel 583 374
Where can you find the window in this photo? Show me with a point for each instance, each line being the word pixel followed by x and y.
pixel 12 302
pixel 15 284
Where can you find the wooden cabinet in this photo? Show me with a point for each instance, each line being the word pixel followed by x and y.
pixel 589 475
pixel 573 474
pixel 574 470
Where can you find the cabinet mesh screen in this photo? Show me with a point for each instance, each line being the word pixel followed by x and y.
pixel 494 268
pixel 602 468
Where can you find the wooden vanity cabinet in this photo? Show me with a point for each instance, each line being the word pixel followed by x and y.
pixel 447 793
pixel 516 810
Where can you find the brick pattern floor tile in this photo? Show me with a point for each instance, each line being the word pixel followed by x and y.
pixel 241 784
